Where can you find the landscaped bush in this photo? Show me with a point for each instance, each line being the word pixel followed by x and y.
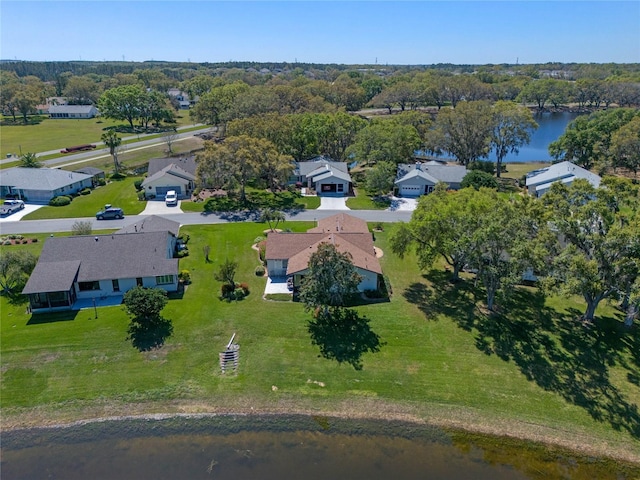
pixel 185 277
pixel 478 179
pixel 34 240
pixel 85 191
pixel 484 166
pixel 239 294
pixel 260 271
pixel 227 290
pixel 101 182
pixel 183 253
pixel 262 250
pixel 141 195
pixel 138 184
pixel 7 242
pixel 60 201
pixel 245 288
pixel 118 176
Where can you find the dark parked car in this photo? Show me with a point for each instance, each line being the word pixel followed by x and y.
pixel 108 213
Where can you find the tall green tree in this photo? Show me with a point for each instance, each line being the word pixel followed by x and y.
pixel 113 142
pixel 442 225
pixel 379 179
pixel 15 268
pixel 512 128
pixel 625 146
pixel 122 103
pixel 385 140
pixel 465 132
pixel 587 139
pixel 147 328
pixel 216 106
pixel 602 254
pixel 331 279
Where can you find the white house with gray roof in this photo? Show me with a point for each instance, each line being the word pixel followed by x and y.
pixel 73 111
pixel 539 181
pixel 76 270
pixel 39 185
pixel 420 178
pixel 166 174
pixel 325 176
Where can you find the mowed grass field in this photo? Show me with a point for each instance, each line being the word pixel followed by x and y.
pixel 56 134
pixel 532 371
pixel 119 193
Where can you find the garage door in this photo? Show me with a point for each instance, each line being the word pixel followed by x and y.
pixel 162 191
pixel 411 191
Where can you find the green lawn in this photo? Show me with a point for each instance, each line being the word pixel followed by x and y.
pixel 534 368
pixel 362 201
pixel 257 199
pixel 119 193
pixel 56 134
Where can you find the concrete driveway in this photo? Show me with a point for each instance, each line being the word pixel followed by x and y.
pixel 158 207
pixel 333 203
pixel 403 204
pixel 14 217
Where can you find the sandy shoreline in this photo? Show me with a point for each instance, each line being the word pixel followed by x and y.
pixel 447 418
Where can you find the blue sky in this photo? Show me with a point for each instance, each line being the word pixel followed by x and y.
pixel 414 32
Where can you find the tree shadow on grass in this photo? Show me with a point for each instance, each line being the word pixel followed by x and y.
pixel 152 334
pixel 553 349
pixel 562 355
pixel 441 297
pixel 344 336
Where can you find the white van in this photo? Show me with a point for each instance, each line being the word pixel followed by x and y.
pixel 171 198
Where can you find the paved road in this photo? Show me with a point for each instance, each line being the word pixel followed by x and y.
pixel 65 224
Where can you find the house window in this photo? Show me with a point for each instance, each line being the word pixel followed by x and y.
pixel 341 187
pixel 164 279
pixel 88 286
pixel 139 281
pixel 116 285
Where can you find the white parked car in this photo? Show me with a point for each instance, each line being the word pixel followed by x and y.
pixel 171 198
pixel 11 206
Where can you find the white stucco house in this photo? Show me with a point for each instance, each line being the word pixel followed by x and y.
pixel 288 254
pixel 420 178
pixel 538 182
pixel 39 185
pixel 73 111
pixel 166 174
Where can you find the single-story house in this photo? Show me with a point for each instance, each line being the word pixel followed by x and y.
pixel 539 181
pixel 325 176
pixel 181 97
pixel 288 254
pixel 39 185
pixel 415 179
pixel 166 174
pixel 96 174
pixel 71 270
pixel 153 223
pixel 73 111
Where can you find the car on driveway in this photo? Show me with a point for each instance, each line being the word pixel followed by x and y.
pixel 109 213
pixel 11 206
pixel 171 198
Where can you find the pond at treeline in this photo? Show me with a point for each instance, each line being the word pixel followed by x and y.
pixel 280 448
pixel 550 126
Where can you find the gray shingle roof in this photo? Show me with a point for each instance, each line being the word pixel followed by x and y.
pixel 90 171
pixel 71 109
pixel 188 164
pixel 124 255
pixel 441 173
pixel 559 171
pixel 305 168
pixel 171 169
pixel 46 179
pixel 152 223
pixel 52 277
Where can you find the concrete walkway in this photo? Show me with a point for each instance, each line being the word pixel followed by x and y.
pixel 333 203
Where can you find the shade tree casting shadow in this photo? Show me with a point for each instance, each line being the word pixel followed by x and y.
pixel 344 336
pixel 553 349
pixel 149 335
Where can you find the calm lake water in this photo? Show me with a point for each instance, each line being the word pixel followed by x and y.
pixel 550 127
pixel 277 448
